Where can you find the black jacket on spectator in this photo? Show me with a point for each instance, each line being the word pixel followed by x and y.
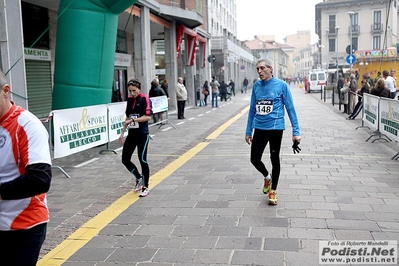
pixel 156 91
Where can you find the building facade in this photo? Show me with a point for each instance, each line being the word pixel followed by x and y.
pixel 356 24
pixel 233 59
pixel 161 39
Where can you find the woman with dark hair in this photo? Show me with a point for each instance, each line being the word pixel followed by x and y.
pixel 205 91
pixel 138 113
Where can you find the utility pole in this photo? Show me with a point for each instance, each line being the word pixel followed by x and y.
pixel 350 35
pixel 327 48
pixel 336 48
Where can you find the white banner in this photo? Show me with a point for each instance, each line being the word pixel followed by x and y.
pixel 78 129
pixel 116 119
pixel 159 104
pixel 389 118
pixel 370 114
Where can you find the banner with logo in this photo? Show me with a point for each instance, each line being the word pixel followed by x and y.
pixel 116 120
pixel 389 118
pixel 370 114
pixel 78 129
pixel 159 104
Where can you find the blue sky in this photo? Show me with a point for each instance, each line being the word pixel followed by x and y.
pixel 274 17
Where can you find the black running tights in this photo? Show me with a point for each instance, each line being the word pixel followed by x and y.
pixel 141 142
pixel 259 143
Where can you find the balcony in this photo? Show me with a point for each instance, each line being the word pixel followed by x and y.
pixel 332 32
pixel 377 28
pixel 355 30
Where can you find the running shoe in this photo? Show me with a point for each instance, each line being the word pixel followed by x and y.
pixel 139 184
pixel 272 197
pixel 267 185
pixel 145 192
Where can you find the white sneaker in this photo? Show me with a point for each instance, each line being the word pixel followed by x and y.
pixel 139 184
pixel 144 193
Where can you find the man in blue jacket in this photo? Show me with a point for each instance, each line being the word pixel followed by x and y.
pixel 270 97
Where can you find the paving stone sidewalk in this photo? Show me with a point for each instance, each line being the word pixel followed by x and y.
pixel 211 211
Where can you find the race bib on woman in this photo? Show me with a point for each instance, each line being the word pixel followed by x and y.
pixel 134 124
pixel 264 107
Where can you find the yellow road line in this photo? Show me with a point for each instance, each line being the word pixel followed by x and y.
pixel 223 127
pixel 91 228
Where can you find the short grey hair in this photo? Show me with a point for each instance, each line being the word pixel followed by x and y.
pixel 3 80
pixel 267 61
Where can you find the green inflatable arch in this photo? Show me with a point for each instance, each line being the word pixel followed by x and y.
pixel 85 51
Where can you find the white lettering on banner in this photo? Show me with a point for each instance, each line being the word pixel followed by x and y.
pixel 351 252
pixel 78 129
pixel 389 118
pixel 370 114
pixel 117 117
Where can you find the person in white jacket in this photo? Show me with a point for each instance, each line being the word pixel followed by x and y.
pixel 181 96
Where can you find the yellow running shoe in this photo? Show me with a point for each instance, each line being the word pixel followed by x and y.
pixel 272 197
pixel 266 186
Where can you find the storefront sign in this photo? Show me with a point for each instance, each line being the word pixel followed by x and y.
pixel 122 59
pixel 37 54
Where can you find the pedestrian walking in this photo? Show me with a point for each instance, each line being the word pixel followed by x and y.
pixel 205 91
pixel 181 96
pixel 138 113
pixel 266 124
pixel 25 177
pixel 232 87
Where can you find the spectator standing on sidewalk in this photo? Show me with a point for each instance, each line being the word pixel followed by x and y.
pixel 340 85
pixel 365 89
pixel 25 177
pixel 138 113
pixel 378 77
pixel 165 86
pixel 156 91
pixel 215 91
pixel 181 96
pixel 393 92
pixel 270 96
pixel 223 91
pixel 344 98
pixel 245 85
pixel 353 90
pixel 380 89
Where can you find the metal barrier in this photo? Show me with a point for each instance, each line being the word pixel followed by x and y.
pixel 48 125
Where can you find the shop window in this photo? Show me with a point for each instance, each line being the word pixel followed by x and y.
pixel 35 22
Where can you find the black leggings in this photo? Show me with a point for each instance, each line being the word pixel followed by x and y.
pixel 141 142
pixel 259 142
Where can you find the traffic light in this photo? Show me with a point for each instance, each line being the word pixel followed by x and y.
pixel 211 58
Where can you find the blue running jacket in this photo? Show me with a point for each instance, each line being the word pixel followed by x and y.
pixel 266 110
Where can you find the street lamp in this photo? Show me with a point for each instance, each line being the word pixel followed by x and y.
pixel 336 48
pixel 350 35
pixel 327 45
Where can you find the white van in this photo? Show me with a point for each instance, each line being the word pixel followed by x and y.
pixel 317 78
